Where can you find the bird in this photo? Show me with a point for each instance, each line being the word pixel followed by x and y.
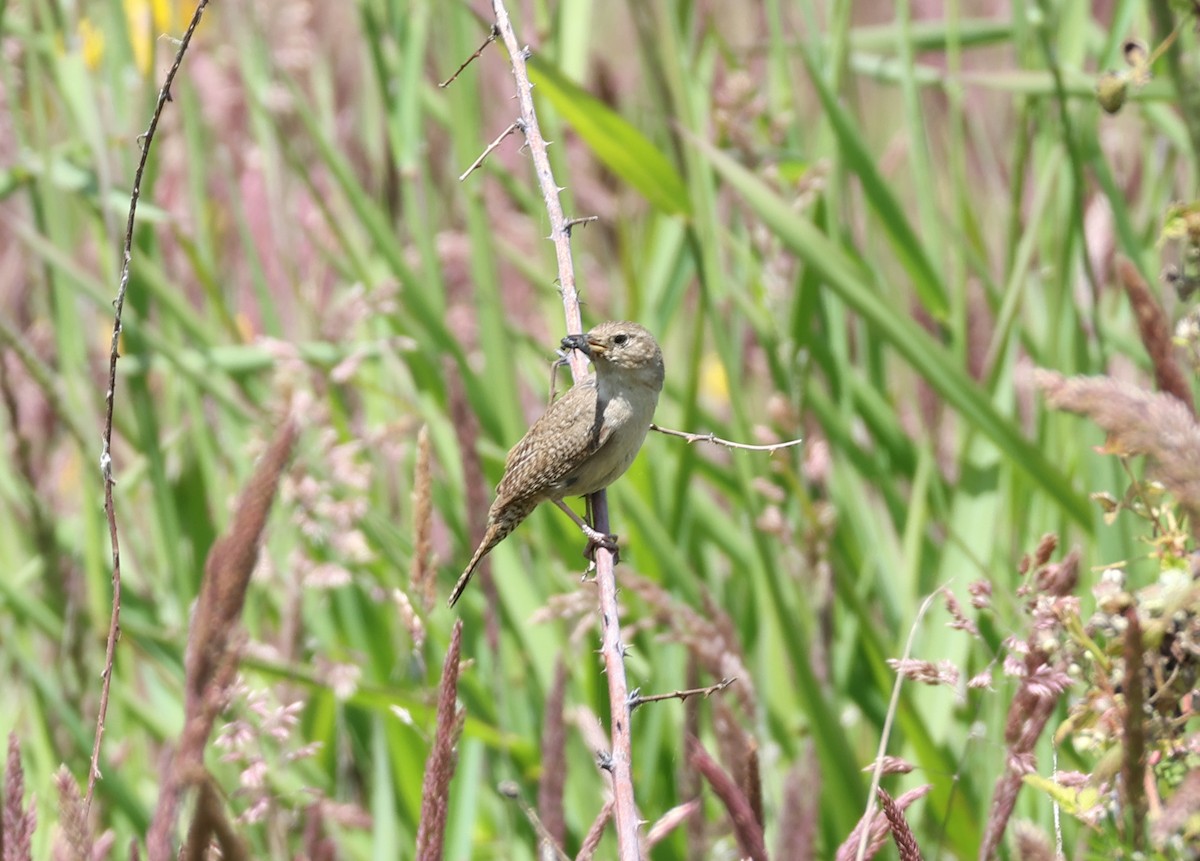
pixel 584 441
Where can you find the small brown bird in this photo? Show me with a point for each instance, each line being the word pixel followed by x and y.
pixel 585 440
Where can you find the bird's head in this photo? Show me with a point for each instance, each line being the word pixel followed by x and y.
pixel 623 348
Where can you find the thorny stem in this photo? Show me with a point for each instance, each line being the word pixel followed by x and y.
pixel 625 807
pixel 106 470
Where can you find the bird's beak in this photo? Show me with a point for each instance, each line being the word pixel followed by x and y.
pixel 578 342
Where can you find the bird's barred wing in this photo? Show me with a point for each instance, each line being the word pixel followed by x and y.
pixel 564 437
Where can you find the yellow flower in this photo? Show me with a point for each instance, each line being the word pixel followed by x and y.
pixel 91 43
pixel 147 20
pixel 714 383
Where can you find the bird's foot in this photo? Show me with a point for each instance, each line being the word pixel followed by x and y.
pixel 600 539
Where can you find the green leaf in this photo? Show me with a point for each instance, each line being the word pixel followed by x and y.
pixel 624 150
pixel 1074 802
pixel 905 242
pixel 927 356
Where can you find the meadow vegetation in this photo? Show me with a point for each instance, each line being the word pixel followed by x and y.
pixel 952 246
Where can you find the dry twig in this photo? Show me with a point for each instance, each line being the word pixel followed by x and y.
pixel 636 699
pixel 488 151
pixel 716 440
pixel 471 59
pixel 106 468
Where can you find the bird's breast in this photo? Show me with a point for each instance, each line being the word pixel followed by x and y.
pixel 623 425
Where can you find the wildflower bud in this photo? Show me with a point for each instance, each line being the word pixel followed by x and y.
pixel 1111 90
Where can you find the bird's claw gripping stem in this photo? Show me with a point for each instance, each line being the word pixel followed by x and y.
pixel 600 539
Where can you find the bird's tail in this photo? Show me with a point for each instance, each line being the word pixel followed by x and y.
pixel 498 529
pixel 485 545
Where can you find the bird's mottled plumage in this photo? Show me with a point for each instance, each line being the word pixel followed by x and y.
pixel 586 439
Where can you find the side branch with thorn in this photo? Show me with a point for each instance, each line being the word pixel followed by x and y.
pixel 471 59
pixel 716 440
pixel 518 124
pixel 636 699
pixel 572 222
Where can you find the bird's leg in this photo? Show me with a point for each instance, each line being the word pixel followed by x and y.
pixel 594 537
pixel 558 363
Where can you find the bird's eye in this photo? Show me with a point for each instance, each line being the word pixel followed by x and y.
pixel 620 340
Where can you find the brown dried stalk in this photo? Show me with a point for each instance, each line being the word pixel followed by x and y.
pixel 591 840
pixel 16 823
pixel 439 767
pixel 877 831
pixel 466 431
pixel 709 638
pixel 799 818
pixel 1032 844
pixel 74 838
pixel 213 650
pixel 671 820
pixel 1156 333
pixel 450 80
pixel 1179 808
pixel 317 846
pixel 902 835
pixel 1133 763
pixel 554 770
pixel 1030 711
pixel 210 822
pixel 746 827
pixel 422 574
pixel 1137 422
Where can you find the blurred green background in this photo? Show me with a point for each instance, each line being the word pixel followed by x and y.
pixel 863 224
